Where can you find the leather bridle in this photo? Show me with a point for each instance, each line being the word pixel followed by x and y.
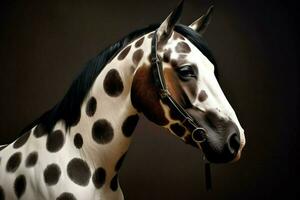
pixel 198 133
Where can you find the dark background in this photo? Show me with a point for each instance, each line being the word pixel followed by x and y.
pixel 44 44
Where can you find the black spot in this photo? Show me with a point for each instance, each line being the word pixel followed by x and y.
pixel 20 185
pixel 167 56
pixel 39 131
pixel 55 141
pixel 112 83
pixel 31 159
pixel 137 56
pixel 21 140
pixel 14 162
pixel 202 96
pixel 66 196
pixel 52 174
pixel 174 115
pixel 99 177
pixel 2 196
pixel 182 47
pixel 78 141
pixel 177 129
pixel 129 125
pixel 102 131
pixel 120 161
pixel 114 183
pixel 124 53
pixel 139 42
pixel 91 107
pixel 79 171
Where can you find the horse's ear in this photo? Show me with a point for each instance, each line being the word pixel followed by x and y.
pixel 165 30
pixel 201 24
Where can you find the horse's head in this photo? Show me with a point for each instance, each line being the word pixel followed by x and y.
pixel 189 74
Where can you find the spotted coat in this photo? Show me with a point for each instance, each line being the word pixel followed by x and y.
pixel 83 162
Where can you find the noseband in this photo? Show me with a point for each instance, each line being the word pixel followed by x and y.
pixel 198 133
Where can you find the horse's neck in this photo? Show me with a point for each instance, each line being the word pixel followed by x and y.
pixel 107 133
pixel 100 138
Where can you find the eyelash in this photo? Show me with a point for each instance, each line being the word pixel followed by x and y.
pixel 186 72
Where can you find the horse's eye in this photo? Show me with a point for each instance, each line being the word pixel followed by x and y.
pixel 186 72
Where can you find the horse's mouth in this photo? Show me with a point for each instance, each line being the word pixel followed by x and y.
pixel 212 153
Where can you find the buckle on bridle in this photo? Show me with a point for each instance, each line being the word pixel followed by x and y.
pixel 198 135
pixel 154 60
pixel 164 93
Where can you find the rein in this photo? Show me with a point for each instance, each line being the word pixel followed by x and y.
pixel 198 133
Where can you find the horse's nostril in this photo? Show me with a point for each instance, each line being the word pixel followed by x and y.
pixel 234 143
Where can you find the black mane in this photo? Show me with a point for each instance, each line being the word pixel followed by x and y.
pixel 68 109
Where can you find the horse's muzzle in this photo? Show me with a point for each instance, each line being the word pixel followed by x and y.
pixel 222 142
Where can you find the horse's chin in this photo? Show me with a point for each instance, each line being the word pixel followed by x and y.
pixel 216 152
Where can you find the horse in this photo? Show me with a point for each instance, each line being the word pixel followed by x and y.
pixel 165 72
